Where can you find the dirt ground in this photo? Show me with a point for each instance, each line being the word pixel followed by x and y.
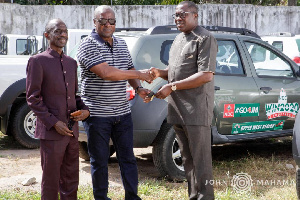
pixel 17 165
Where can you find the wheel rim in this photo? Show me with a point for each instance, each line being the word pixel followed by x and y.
pixel 30 124
pixel 176 155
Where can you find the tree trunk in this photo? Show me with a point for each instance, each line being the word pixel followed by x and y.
pixel 223 1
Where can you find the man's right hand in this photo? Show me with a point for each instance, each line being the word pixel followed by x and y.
pixel 154 72
pixel 145 75
pixel 63 129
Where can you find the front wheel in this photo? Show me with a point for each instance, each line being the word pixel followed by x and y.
pixel 23 126
pixel 166 154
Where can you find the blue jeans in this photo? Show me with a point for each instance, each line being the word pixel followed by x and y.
pixel 120 130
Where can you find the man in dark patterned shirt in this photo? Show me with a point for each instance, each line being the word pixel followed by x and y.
pixel 191 88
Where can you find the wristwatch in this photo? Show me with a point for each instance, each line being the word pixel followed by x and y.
pixel 173 87
pixel 137 88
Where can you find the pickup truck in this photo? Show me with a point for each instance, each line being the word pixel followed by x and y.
pixel 257 95
pixel 13 44
pixel 16 117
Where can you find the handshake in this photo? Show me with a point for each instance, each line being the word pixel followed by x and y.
pixel 149 75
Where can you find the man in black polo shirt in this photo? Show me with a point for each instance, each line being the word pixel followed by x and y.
pixel 106 66
pixel 191 88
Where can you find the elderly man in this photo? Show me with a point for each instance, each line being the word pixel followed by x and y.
pixel 106 66
pixel 191 88
pixel 51 87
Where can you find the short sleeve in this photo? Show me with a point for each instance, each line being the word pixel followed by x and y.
pixel 88 54
pixel 207 53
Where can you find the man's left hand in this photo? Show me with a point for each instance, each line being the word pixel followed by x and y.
pixel 84 114
pixel 143 92
pixel 164 91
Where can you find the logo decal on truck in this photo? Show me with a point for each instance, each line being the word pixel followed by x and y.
pixel 250 127
pixel 282 108
pixel 241 110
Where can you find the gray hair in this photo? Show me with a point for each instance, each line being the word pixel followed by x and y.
pixel 51 24
pixel 102 9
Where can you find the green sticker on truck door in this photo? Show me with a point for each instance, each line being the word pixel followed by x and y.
pixel 250 127
pixel 241 110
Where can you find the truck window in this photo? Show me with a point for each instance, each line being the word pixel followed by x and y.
pixel 3 45
pixel 267 62
pixel 21 47
pixel 154 52
pixel 228 59
pixel 278 45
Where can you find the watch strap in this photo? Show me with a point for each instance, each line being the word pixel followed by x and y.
pixel 136 89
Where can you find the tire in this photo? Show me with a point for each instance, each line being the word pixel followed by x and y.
pixel 23 127
pixel 298 181
pixel 84 154
pixel 166 154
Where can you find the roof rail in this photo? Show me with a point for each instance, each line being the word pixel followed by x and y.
pixel 130 29
pixel 162 30
pixel 242 31
pixel 173 29
pixel 281 34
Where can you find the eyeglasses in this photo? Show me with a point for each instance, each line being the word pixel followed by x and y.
pixel 59 32
pixel 182 15
pixel 103 21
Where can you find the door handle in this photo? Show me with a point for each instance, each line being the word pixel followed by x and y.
pixel 217 88
pixel 266 90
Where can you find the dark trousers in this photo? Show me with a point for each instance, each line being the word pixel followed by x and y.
pixel 60 165
pixel 120 130
pixel 195 147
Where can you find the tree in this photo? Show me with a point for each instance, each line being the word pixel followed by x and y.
pixel 292 2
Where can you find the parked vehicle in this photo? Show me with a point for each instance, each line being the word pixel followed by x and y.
pixel 76 35
pixel 256 96
pixel 296 151
pixel 286 42
pixel 12 44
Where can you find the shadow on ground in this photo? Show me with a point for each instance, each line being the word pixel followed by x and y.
pixel 280 147
pixel 8 142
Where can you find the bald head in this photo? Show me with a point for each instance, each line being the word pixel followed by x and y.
pixel 52 24
pixel 102 9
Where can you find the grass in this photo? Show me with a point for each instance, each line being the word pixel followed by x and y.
pixel 262 163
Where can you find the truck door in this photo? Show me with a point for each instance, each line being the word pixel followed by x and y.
pixel 236 93
pixel 278 86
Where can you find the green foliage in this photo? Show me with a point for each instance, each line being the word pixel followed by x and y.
pixel 173 2
pixel 135 2
pixel 150 2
